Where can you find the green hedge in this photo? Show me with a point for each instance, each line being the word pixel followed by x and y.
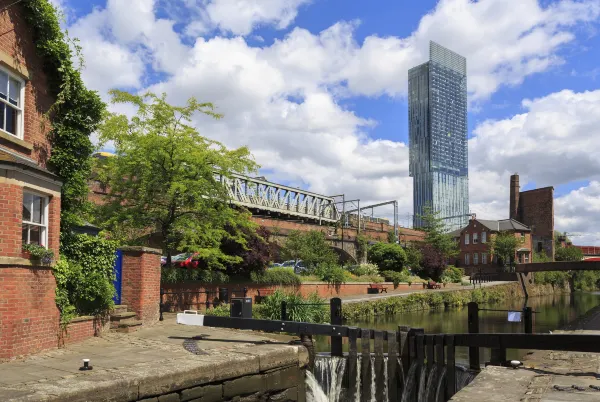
pixel 427 301
pixel 276 276
pixel 182 275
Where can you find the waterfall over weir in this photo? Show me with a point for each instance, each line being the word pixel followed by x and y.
pixel 330 382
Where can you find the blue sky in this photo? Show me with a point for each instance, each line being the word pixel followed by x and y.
pixel 317 89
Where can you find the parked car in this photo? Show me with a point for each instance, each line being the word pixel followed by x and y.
pixel 274 265
pixel 297 265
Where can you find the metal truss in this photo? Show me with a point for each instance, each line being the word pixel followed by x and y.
pixel 259 194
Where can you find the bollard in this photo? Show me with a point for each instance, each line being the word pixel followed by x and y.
pixel 335 314
pixel 473 322
pixel 161 305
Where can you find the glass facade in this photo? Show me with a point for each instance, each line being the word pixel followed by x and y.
pixel 437 115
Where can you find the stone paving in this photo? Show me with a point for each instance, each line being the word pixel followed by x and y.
pixel 149 350
pixel 546 376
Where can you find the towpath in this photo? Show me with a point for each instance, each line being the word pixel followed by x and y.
pixel 152 361
pixel 403 293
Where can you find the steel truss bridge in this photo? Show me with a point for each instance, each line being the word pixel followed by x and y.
pixel 261 195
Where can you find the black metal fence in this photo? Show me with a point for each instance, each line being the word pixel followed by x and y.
pixel 419 366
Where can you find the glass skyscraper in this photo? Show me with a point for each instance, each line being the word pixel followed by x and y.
pixel 437 118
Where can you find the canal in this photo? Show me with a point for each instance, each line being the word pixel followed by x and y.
pixel 552 312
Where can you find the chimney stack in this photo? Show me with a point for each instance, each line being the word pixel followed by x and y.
pixel 514 197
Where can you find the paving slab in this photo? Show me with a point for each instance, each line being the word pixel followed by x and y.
pixel 145 363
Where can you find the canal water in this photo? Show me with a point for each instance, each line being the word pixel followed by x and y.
pixel 552 312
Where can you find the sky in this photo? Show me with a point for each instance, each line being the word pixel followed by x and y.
pixel 317 88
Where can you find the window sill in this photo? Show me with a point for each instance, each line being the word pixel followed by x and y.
pixel 10 262
pixel 15 140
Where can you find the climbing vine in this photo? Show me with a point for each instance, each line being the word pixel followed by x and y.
pixel 75 114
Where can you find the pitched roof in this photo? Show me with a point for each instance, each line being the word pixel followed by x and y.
pixel 504 225
pixel 457 232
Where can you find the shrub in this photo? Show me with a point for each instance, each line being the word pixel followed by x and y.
pixel 452 275
pixel 276 276
pixel 178 275
pixel 395 277
pixel 388 257
pixel 364 269
pixel 311 309
pixel 333 274
pixel 84 276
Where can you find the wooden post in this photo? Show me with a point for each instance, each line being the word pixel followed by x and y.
pixel 283 310
pixel 430 358
pixel 378 367
pixel 528 320
pixel 365 372
pixel 473 317
pixel 450 367
pixel 393 378
pixel 335 310
pixel 404 347
pixel 352 361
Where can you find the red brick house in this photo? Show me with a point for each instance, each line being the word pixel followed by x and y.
pixel 475 239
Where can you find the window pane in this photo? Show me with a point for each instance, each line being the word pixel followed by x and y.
pixel 38 207
pixel 2 109
pixel 27 198
pixel 35 235
pixel 3 85
pixel 11 119
pixel 14 92
pixel 24 233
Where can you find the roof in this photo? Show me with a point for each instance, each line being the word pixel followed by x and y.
pixel 13 159
pixel 504 225
pixel 457 232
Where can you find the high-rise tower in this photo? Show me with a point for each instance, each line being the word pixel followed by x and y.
pixel 437 118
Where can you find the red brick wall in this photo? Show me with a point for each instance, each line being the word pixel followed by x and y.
pixel 16 41
pixel 140 282
pixel 82 329
pixel 29 318
pixel 11 212
pixel 536 210
pixel 197 301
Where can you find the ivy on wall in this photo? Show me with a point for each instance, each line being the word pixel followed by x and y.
pixel 75 114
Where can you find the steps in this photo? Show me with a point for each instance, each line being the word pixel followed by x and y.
pixel 122 320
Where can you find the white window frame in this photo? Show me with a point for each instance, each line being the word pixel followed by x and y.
pixel 21 109
pixel 483 237
pixel 484 258
pixel 475 238
pixel 44 224
pixel 475 258
pixel 526 258
pixel 467 235
pixel 467 259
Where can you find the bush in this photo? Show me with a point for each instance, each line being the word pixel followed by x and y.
pixel 276 276
pixel 333 274
pixel 178 275
pixel 388 257
pixel 364 269
pixel 452 275
pixel 84 276
pixel 311 309
pixel 395 277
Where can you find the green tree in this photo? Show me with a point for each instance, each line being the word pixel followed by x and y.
pixel 541 256
pixel 436 234
pixel 311 247
pixel 166 177
pixel 413 257
pixel 362 244
pixel 391 237
pixel 568 254
pixel 387 256
pixel 505 245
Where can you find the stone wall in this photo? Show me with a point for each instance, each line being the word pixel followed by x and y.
pixel 82 328
pixel 277 384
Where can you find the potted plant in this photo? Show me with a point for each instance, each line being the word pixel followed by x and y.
pixel 38 254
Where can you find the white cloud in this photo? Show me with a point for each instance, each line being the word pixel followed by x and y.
pixel 577 212
pixel 282 99
pixel 240 17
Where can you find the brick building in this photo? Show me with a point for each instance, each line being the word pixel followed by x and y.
pixel 29 194
pixel 475 239
pixel 535 209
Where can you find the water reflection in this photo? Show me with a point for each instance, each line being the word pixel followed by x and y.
pixel 553 312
